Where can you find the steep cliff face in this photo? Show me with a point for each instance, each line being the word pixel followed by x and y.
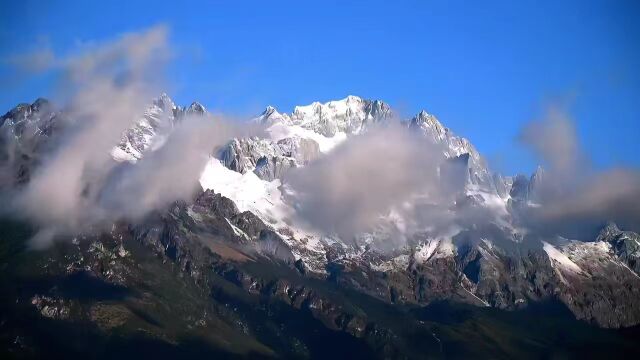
pixel 269 160
pixel 150 131
pixel 27 132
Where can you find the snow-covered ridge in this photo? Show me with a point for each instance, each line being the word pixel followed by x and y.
pixel 347 116
pixel 331 123
pixel 150 131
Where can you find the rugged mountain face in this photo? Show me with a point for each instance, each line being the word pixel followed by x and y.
pixel 268 159
pixel 454 146
pixel 202 279
pixel 493 264
pixel 348 116
pixel 150 131
pixel 25 135
pixel 624 244
pixel 238 251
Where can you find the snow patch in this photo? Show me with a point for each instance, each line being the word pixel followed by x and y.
pixel 560 259
pixel 248 191
pixel 279 131
pixel 486 304
pixel 237 230
pixel 424 251
pixel 264 199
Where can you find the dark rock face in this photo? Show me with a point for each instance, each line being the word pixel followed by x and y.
pixel 520 188
pixel 502 185
pixel 486 271
pixel 378 109
pixel 187 232
pixel 625 244
pixel 525 190
pixel 113 286
pixel 233 157
pixel 250 223
pixel 198 240
pixel 26 132
pixel 210 202
pixel 536 185
pixel 269 242
pixel 302 151
pixel 273 168
pixel 196 108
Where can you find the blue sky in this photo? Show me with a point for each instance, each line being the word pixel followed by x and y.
pixel 484 68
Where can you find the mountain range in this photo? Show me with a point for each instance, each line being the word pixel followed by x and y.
pixel 243 269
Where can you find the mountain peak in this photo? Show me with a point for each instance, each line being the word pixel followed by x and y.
pixel 40 103
pixel 269 115
pixel 608 231
pixel 164 102
pixel 23 111
pixel 268 111
pixel 352 98
pixel 424 116
pixel 196 107
pixel 428 123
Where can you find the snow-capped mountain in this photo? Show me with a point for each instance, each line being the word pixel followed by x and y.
pixel 347 116
pixel 484 263
pixel 150 131
pixel 309 131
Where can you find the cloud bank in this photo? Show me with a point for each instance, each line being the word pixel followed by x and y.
pixel 392 176
pixel 348 191
pixel 574 195
pixel 386 173
pixel 79 187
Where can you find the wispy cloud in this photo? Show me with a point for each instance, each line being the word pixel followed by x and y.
pixel 573 193
pixel 108 87
pixel 350 189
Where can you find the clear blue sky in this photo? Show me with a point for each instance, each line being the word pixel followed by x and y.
pixel 484 68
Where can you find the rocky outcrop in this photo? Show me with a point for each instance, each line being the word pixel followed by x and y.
pixel 625 244
pixel 273 168
pixel 303 151
pixel 269 160
pixel 526 191
pixel 26 132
